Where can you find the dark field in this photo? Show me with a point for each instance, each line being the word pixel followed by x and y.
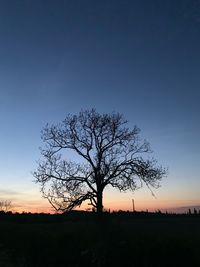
pixel 82 239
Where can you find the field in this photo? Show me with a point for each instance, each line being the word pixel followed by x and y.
pixel 83 239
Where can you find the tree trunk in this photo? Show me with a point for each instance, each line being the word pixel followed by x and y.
pixel 99 201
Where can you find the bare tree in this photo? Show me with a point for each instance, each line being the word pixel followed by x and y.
pixel 5 205
pixel 109 153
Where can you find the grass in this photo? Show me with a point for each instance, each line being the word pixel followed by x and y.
pixel 83 240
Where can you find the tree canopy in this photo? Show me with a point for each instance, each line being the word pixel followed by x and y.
pixel 110 153
pixel 6 205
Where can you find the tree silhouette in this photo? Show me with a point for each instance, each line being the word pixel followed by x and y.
pixel 5 205
pixel 108 154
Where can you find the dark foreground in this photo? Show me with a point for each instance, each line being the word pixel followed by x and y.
pixel 82 239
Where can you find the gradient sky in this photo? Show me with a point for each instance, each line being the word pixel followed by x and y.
pixel 140 58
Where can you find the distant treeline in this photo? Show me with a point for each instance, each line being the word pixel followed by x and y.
pixel 86 216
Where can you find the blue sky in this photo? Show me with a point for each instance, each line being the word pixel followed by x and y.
pixel 140 58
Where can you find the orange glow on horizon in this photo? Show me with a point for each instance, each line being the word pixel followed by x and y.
pixel 125 205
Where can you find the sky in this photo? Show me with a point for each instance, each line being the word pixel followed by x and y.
pixel 139 58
